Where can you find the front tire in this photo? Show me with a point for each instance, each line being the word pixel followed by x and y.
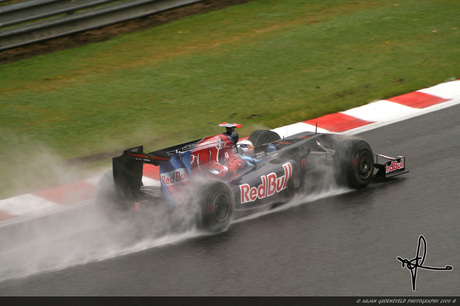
pixel 354 164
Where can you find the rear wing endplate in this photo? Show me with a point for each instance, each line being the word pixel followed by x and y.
pixel 128 170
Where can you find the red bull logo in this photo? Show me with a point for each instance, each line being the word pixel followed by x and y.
pixel 271 184
pixel 174 177
pixel 394 165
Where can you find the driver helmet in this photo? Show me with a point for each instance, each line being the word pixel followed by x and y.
pixel 245 147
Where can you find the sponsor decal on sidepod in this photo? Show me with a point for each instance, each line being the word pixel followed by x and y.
pixel 270 185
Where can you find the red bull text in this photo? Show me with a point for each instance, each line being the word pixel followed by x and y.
pixel 270 185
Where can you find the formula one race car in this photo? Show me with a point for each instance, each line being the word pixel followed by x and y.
pixel 223 175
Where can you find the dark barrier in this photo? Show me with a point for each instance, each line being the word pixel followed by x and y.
pixel 38 20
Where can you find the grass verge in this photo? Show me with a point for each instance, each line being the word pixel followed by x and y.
pixel 263 64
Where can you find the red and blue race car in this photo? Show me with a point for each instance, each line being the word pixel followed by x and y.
pixel 224 175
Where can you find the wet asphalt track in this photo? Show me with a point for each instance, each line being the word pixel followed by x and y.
pixel 345 245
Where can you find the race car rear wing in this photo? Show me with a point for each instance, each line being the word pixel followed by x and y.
pixel 392 167
pixel 128 170
pixel 128 167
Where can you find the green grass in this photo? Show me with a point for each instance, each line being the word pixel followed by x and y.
pixel 263 64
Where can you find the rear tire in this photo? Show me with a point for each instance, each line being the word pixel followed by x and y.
pixel 217 208
pixel 260 137
pixel 354 163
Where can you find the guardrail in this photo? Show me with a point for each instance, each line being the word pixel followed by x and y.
pixel 38 20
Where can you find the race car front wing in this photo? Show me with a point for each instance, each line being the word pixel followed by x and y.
pixel 391 167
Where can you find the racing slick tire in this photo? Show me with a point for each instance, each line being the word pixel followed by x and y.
pixel 217 208
pixel 260 137
pixel 354 164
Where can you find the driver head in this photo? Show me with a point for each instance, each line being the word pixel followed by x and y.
pixel 245 147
